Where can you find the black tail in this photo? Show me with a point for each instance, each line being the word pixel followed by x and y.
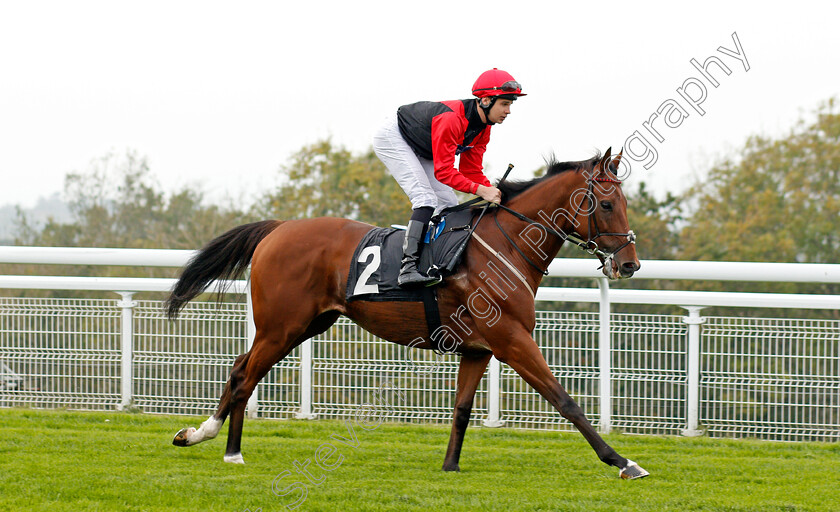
pixel 224 258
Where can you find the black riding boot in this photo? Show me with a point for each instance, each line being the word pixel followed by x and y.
pixel 410 277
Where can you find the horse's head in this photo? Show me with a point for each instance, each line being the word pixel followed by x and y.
pixel 602 219
pixel 580 202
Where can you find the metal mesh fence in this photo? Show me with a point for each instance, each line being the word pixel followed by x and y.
pixel 771 378
pixel 181 367
pixel 59 353
pixel 649 373
pixel 767 378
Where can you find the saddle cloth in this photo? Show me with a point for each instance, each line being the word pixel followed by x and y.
pixel 376 261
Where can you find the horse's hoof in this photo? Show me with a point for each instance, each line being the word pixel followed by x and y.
pixel 236 458
pixel 453 467
pixel 632 471
pixel 181 438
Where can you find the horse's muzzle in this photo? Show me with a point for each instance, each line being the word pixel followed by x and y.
pixel 625 270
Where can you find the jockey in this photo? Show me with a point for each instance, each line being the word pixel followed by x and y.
pixel 419 145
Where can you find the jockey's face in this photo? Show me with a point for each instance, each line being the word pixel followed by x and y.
pixel 500 110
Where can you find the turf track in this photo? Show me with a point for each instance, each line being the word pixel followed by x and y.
pixel 80 461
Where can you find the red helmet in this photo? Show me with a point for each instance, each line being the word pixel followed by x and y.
pixel 496 82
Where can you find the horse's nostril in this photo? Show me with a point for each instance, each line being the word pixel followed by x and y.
pixel 631 266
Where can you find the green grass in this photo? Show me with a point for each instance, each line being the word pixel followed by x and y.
pixel 77 461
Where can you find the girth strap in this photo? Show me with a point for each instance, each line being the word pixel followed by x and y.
pixel 430 305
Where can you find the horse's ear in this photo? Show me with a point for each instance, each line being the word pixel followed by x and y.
pixel 615 161
pixel 605 160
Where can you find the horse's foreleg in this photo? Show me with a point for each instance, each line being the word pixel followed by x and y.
pixel 470 371
pixel 525 357
pixel 211 426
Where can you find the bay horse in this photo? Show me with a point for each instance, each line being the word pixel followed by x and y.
pixel 299 272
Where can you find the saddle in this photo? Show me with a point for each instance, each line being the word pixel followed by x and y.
pixel 376 261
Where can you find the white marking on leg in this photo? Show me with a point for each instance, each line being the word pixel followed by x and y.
pixel 211 427
pixel 236 458
pixel 208 430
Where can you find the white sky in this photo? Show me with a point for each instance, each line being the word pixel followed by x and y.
pixel 219 95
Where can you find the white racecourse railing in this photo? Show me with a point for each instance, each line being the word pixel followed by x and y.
pixel 663 374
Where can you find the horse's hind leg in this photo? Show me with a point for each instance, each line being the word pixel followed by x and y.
pixel 269 348
pixel 470 371
pixel 262 356
pixel 211 426
pixel 523 355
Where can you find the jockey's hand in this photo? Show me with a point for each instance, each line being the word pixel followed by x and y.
pixel 490 194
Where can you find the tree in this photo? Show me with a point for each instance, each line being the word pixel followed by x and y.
pixel 117 203
pixel 323 180
pixel 777 200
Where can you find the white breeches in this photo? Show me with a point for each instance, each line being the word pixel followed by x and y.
pixel 415 175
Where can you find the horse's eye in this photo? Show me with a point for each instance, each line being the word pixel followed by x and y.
pixel 606 205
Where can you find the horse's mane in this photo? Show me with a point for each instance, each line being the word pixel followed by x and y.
pixel 511 189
